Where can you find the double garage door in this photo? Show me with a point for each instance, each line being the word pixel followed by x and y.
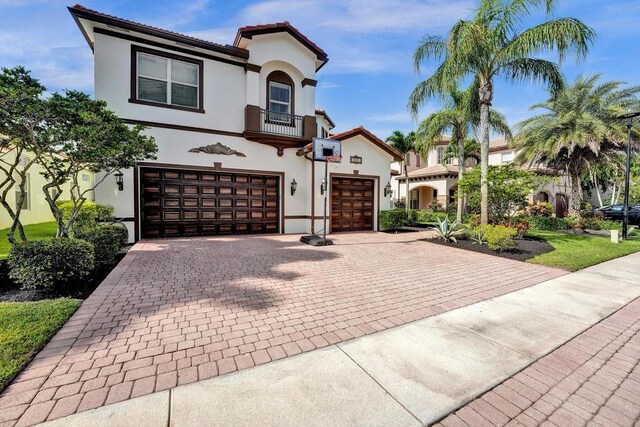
pixel 177 202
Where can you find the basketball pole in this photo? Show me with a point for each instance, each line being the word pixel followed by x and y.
pixel 326 190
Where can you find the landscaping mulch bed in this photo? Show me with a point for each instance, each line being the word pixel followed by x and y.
pixel 11 292
pixel 525 248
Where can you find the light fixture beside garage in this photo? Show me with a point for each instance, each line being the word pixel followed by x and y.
pixel 119 180
pixel 294 186
pixel 387 189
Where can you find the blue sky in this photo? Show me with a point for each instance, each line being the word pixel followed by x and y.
pixel 370 42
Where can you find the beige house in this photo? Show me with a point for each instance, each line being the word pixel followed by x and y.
pixel 232 123
pixel 432 181
pixel 35 208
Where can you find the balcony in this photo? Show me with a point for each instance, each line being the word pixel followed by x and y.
pixel 279 130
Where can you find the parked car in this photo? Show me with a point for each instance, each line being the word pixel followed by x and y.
pixel 615 212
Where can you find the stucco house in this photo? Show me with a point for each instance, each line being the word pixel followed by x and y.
pixel 433 180
pixel 35 208
pixel 233 124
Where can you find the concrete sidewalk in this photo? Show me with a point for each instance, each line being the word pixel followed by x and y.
pixel 409 375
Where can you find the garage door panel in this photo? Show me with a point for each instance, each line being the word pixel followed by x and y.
pixel 351 204
pixel 191 203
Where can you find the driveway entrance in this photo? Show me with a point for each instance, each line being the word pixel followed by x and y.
pixel 179 310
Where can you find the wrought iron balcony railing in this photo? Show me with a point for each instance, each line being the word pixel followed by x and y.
pixel 276 123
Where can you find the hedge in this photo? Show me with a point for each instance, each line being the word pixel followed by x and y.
pixel 392 219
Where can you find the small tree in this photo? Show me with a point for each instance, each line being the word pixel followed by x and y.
pixel 87 136
pixel 404 144
pixel 22 114
pixel 509 186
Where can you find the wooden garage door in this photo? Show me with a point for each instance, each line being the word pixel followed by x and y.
pixel 200 203
pixel 351 204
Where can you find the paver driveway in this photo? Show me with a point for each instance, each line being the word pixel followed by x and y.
pixel 182 310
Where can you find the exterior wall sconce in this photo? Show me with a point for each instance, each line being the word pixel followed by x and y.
pixel 119 180
pixel 387 190
pixel 294 186
pixel 323 187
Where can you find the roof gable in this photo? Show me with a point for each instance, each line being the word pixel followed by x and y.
pixel 248 32
pixel 370 137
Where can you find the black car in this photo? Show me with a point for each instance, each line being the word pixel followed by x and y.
pixel 616 212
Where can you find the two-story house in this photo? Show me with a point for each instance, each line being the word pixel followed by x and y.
pixel 434 179
pixel 233 124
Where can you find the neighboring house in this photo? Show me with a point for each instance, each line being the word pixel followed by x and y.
pixel 231 123
pixel 35 208
pixel 432 181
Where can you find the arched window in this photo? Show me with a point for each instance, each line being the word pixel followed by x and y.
pixel 280 96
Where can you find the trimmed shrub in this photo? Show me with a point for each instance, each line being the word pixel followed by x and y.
pixel 549 223
pixel 540 209
pixel 107 240
pixel 392 219
pixel 501 238
pixel 90 215
pixel 55 263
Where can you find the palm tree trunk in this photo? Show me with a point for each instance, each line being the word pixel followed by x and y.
pixel 576 195
pixel 484 162
pixel 406 205
pixel 460 207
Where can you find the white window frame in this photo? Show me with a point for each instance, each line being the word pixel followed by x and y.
pixel 168 80
pixel 502 156
pixel 288 104
pixel 439 154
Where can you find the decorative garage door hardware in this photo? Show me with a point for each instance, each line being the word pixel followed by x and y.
pixel 217 148
pixel 200 203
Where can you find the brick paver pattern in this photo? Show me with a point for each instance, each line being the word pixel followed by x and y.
pixel 182 310
pixel 594 379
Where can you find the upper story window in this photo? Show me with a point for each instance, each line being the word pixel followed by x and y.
pixel 418 160
pixel 280 96
pixel 166 80
pixel 440 154
pixel 506 157
pixel 407 159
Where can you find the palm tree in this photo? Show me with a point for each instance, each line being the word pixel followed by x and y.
pixel 460 117
pixel 491 45
pixel 578 131
pixel 404 144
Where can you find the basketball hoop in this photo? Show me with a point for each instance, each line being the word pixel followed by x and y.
pixel 333 159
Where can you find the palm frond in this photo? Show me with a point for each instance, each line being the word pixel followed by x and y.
pixel 430 47
pixel 533 69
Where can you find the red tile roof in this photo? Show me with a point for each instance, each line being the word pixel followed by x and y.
pixel 79 11
pixel 252 30
pixel 371 137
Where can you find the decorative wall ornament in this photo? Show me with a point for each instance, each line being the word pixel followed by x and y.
pixel 217 148
pixel 357 160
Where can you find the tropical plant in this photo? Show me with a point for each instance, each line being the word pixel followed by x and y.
pixel 501 238
pixel 460 117
pixel 447 231
pixel 492 45
pixel 479 234
pixel 578 130
pixel 540 209
pixel 510 187
pixel 21 139
pixel 392 219
pixel 88 136
pixel 405 145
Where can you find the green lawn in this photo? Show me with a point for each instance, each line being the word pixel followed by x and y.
pixel 25 327
pixel 574 252
pixel 43 230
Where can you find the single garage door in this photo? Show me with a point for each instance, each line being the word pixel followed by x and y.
pixel 351 204
pixel 202 203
